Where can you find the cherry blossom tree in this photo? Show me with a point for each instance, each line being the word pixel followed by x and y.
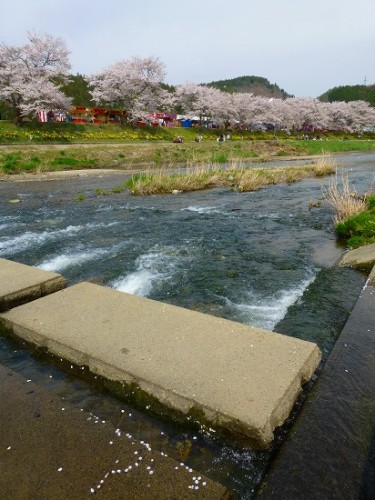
pixel 359 114
pixel 28 75
pixel 241 108
pixel 133 86
pixel 208 103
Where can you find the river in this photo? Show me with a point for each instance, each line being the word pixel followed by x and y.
pixel 265 258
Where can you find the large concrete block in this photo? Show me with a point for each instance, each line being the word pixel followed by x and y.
pixel 20 283
pixel 360 258
pixel 236 377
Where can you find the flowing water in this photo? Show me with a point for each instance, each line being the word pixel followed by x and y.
pixel 263 258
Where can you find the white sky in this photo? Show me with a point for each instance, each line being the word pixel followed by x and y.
pixel 304 47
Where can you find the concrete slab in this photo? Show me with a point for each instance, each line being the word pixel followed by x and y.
pixel 360 258
pixel 50 449
pixel 229 375
pixel 20 283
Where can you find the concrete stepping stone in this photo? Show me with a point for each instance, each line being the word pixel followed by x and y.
pixel 227 375
pixel 20 283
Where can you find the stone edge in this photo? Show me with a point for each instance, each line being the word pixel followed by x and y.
pixel 31 293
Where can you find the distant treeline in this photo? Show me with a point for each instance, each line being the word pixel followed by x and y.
pixel 349 93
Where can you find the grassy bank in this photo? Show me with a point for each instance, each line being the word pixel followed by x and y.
pixel 48 147
pixel 72 133
pixel 41 158
pixel 354 214
pixel 359 229
pixel 38 158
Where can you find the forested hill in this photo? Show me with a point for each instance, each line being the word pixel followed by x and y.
pixel 350 93
pixel 256 85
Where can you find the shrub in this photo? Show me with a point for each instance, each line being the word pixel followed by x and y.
pixel 72 162
pixel 11 162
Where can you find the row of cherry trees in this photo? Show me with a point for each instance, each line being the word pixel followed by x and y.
pixel 291 113
pixel 31 77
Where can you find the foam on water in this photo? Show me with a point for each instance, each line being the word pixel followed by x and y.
pixel 119 208
pixel 153 269
pixel 9 222
pixel 61 262
pixel 7 218
pixel 8 225
pixel 266 312
pixel 202 210
pixel 30 239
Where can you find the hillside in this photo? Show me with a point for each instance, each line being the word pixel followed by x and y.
pixel 350 93
pixel 256 85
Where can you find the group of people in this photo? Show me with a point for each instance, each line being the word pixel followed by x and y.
pixel 199 138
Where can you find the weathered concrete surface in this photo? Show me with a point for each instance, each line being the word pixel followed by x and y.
pixel 51 450
pixel 330 452
pixel 242 379
pixel 360 258
pixel 20 283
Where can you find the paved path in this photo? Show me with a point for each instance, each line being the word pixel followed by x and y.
pixel 51 450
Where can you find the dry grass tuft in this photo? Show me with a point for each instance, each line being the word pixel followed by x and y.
pixel 236 176
pixel 325 166
pixel 345 201
pixel 251 180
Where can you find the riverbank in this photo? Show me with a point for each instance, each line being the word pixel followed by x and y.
pixel 62 175
pixel 39 158
pixel 123 153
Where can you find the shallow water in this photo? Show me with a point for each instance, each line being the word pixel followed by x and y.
pixel 261 258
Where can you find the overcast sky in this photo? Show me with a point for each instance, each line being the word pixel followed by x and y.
pixel 304 47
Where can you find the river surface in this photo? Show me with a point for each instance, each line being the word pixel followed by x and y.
pixel 265 258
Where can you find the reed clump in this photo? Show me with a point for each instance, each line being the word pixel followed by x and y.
pixel 236 177
pixel 326 165
pixel 160 182
pixel 344 200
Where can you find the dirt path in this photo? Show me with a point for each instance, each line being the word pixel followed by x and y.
pixel 64 174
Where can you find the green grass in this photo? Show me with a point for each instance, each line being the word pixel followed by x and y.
pixel 67 146
pixel 10 162
pixel 332 146
pixel 73 163
pixel 21 161
pixel 70 133
pixel 359 229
